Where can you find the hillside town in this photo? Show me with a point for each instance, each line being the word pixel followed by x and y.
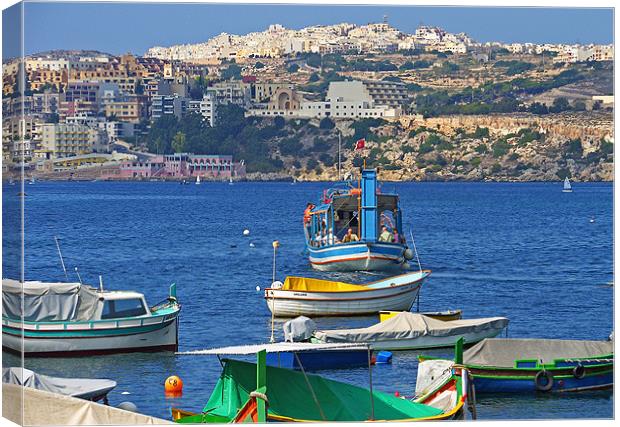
pixel 232 107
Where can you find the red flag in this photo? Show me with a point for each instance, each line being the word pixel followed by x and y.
pixel 360 143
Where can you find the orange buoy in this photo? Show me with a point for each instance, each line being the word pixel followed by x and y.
pixel 173 385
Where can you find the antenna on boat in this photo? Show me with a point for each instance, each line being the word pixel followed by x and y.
pixel 415 250
pixel 78 275
pixel 100 283
pixel 339 142
pixel 275 245
pixel 62 261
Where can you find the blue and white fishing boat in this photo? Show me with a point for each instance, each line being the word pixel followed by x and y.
pixel 364 210
pixel 49 319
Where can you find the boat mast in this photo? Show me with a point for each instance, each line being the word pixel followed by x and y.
pixel 62 261
pixel 339 142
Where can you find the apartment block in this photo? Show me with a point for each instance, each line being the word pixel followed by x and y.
pixel 65 140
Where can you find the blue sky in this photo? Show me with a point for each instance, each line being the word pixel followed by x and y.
pixel 119 28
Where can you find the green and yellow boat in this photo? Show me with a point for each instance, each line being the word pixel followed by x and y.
pixel 255 392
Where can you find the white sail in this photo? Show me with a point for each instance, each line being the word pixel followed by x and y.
pixel 198 180
pixel 567 186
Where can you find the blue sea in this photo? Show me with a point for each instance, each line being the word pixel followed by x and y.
pixel 525 251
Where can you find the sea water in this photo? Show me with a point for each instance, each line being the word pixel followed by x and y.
pixel 525 251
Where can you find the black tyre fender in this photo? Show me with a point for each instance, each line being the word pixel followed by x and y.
pixel 579 371
pixel 543 381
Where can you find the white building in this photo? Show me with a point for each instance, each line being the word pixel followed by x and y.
pixel 66 140
pixel 344 100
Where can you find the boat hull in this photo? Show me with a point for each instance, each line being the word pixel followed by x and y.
pixel 318 360
pixel 524 381
pixel 358 257
pixel 162 336
pixel 285 303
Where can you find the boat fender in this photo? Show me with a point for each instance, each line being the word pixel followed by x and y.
pixel 408 254
pixel 128 406
pixel 579 371
pixel 543 381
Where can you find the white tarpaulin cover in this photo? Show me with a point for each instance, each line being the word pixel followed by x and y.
pixel 408 325
pixel 502 352
pixel 84 388
pixel 46 302
pixel 299 329
pixel 42 408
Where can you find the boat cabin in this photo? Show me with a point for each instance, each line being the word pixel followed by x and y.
pixel 121 304
pixel 363 209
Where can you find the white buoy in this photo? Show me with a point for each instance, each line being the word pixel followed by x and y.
pixel 257 288
pixel 592 220
pixel 125 392
pixel 246 232
pixel 252 245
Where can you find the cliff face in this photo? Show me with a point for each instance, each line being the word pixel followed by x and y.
pixel 493 148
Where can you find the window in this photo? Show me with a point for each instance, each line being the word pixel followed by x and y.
pixel 114 309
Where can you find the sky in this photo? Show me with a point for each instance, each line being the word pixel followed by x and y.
pixel 134 27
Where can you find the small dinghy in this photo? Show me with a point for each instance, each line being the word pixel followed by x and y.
pixel 409 331
pixel 302 296
pixel 537 365
pixel 83 388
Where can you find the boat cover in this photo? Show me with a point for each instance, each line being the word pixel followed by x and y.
pixel 303 396
pixel 407 325
pixel 308 284
pixel 28 406
pixel 84 388
pixel 46 302
pixel 299 329
pixel 503 352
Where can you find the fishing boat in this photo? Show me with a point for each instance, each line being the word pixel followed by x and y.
pixel 77 319
pixel 411 331
pixel 538 365
pixel 439 315
pixel 299 296
pixel 256 392
pixel 567 187
pixel 364 209
pixel 93 389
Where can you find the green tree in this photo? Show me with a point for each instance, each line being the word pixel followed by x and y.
pixel 326 123
pixel 279 122
pixel 178 142
pixel 293 68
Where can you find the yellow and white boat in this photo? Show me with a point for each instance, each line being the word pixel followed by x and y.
pixel 316 297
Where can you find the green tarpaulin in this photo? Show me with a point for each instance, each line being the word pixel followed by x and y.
pixel 290 396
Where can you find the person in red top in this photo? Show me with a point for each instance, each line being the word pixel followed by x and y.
pixel 309 208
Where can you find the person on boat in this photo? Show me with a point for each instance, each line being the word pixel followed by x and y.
pixel 386 235
pixel 307 214
pixel 350 236
pixel 331 238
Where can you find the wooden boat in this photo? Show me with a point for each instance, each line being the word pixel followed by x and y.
pixel 300 355
pixel 567 187
pixel 410 331
pixel 364 209
pixel 76 319
pixel 315 297
pixel 538 365
pixel 248 392
pixel 439 315
pixel 84 388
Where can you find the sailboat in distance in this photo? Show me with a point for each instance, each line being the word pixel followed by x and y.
pixel 567 186
pixel 198 180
